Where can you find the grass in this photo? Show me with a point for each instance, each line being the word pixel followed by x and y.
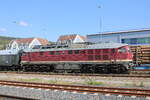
pixel 90 81
pixel 55 81
pixel 31 80
pixel 94 83
pixel 87 81
pixel 141 84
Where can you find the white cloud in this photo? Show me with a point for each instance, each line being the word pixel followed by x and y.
pixel 21 23
pixel 3 29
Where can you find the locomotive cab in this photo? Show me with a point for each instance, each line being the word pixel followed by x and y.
pixel 125 56
pixel 124 53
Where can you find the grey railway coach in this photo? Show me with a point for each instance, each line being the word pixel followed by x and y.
pixel 9 59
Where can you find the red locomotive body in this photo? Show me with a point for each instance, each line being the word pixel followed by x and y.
pixel 96 58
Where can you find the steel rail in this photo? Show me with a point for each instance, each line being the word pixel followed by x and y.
pixel 88 89
pixel 16 97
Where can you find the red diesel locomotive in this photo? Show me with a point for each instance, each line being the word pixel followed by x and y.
pixel 95 58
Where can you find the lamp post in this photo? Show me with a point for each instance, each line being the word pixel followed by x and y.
pixel 100 26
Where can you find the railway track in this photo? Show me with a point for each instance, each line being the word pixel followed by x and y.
pixel 81 74
pixel 82 89
pixel 5 97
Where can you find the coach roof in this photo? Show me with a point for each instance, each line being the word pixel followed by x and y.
pixel 9 52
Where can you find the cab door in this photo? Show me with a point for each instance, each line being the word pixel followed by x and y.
pixel 113 55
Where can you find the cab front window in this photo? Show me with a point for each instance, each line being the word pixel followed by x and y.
pixel 122 50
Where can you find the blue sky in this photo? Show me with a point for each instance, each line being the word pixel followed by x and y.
pixel 51 18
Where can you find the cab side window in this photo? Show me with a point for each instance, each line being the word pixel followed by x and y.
pixel 76 51
pixel 70 52
pixel 113 50
pixel 57 52
pixel 51 52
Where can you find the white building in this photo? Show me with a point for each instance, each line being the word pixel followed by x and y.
pixel 131 37
pixel 70 39
pixel 26 43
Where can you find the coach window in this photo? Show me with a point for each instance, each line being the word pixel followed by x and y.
pixel 76 51
pixel 70 52
pixel 57 52
pixel 51 52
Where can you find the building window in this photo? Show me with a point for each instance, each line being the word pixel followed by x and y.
pixel 15 46
pixel 145 40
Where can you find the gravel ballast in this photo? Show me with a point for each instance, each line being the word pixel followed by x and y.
pixel 47 94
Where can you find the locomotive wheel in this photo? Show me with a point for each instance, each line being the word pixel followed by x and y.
pixel 88 69
pixel 121 69
pixel 105 70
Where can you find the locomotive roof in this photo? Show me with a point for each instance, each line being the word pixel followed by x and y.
pixel 93 46
pixel 9 52
pixel 106 45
